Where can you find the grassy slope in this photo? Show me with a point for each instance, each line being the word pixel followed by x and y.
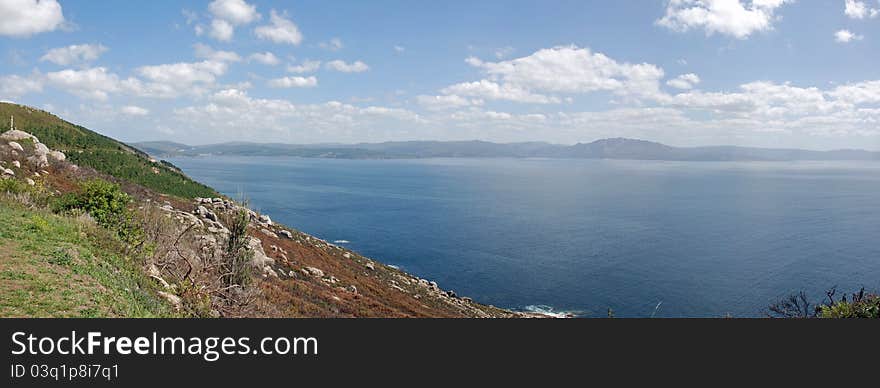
pixel 57 266
pixel 87 148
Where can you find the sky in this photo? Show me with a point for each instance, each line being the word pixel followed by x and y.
pixel 769 73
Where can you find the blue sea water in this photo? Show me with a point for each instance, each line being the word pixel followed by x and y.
pixel 669 239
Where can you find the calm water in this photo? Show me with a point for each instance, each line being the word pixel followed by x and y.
pixel 699 239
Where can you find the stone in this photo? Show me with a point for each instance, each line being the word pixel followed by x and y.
pixel 260 259
pixel 352 289
pixel 201 211
pixel 268 232
pixel 16 135
pixel 370 266
pixel 30 181
pixel 265 220
pixel 346 255
pixel 57 156
pixel 16 146
pixel 315 272
pixel 451 294
pixel 211 216
pixel 41 149
pixel 7 171
pixel 39 160
pixel 16 163
pixel 286 233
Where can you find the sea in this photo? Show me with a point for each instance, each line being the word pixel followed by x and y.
pixel 588 238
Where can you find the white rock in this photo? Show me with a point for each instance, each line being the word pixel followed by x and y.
pixel 57 155
pixel 16 146
pixel 371 267
pixel 265 219
pixel 315 272
pixel 16 135
pixel 286 233
pixel 171 298
pixel 30 181
pixel 7 171
pixel 16 163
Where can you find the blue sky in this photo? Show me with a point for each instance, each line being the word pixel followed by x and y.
pixel 778 73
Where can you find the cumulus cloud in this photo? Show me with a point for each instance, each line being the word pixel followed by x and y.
pixel 266 58
pixel 184 72
pixel 132 110
pixel 684 81
pixel 846 36
pixel 536 78
pixel 342 66
pixel 93 83
pixel 856 9
pixel 207 52
pixel 735 18
pixel 17 86
pixel 280 30
pixel 74 54
pixel 445 102
pixel 294 82
pixel 23 18
pixel 226 15
pixel 237 12
pixel 307 66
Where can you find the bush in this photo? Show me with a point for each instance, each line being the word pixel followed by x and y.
pixel 106 203
pixel 237 258
pixel 12 186
pixel 861 306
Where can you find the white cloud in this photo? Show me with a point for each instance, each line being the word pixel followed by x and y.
pixel 305 67
pixel 132 110
pixel 94 83
pixel 867 92
pixel 237 12
pixel 294 82
pixel 342 66
pixel 562 69
pixel 856 9
pixel 846 36
pixel 207 52
pixel 437 103
pixel 684 81
pixel 736 18
pixel 221 30
pixel 280 30
pixel 266 58
pixel 399 49
pixel 494 91
pixel 334 44
pixel 184 72
pixel 23 18
pixel 74 54
pixel 17 86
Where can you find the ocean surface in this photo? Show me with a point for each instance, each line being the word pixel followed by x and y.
pixel 643 238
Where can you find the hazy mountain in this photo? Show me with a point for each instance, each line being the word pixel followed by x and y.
pixel 618 148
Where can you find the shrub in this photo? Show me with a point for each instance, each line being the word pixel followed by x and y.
pixel 236 265
pixel 861 306
pixel 106 203
pixel 13 186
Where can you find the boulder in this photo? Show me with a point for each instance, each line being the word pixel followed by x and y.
pixel 16 163
pixel 352 289
pixel 260 260
pixel 39 160
pixel 265 219
pixel 286 233
pixel 268 232
pixel 41 149
pixel 7 171
pixel 314 272
pixel 16 146
pixel 370 266
pixel 16 135
pixel 30 181
pixel 57 156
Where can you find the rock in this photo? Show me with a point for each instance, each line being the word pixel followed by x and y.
pixel 291 274
pixel 314 272
pixel 30 181
pixel 451 294
pixel 39 160
pixel 201 211
pixel 16 163
pixel 16 146
pixel 346 255
pixel 268 271
pixel 466 299
pixel 434 286
pixel 352 289
pixel 265 220
pixel 260 259
pixel 268 232
pixel 171 298
pixel 211 216
pixel 153 273
pixel 286 233
pixel 41 149
pixel 7 171
pixel 370 266
pixel 16 135
pixel 57 156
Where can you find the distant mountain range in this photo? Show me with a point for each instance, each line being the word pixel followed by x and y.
pixel 618 148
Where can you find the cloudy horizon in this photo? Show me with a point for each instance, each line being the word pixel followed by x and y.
pixel 768 73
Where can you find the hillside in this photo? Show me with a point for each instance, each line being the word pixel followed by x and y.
pixel 82 237
pixel 618 148
pixel 89 149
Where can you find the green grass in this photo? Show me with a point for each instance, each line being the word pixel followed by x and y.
pixel 55 266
